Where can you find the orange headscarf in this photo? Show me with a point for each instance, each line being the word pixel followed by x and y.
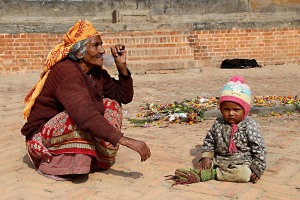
pixel 81 30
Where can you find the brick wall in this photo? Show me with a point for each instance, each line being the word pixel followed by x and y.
pixel 268 47
pixel 158 50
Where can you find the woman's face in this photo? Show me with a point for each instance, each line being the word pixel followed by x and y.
pixel 94 52
pixel 232 112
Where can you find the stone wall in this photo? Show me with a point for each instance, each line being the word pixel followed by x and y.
pixel 159 34
pixel 68 8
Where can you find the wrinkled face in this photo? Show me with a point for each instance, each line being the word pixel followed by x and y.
pixel 94 52
pixel 232 112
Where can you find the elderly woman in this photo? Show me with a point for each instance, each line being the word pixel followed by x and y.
pixel 74 112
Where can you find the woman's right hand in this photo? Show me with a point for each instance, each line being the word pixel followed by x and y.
pixel 136 145
pixel 205 163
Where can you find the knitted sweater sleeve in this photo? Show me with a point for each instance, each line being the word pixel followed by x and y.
pixel 209 144
pixel 74 95
pixel 120 90
pixel 258 149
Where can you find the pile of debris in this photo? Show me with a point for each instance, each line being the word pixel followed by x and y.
pixel 191 111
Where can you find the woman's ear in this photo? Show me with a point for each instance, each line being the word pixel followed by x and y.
pixel 79 55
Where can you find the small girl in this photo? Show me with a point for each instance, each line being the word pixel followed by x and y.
pixel 233 149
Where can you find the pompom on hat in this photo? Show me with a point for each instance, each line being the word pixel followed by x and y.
pixel 238 92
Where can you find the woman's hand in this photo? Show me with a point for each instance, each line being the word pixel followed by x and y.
pixel 205 163
pixel 119 53
pixel 136 145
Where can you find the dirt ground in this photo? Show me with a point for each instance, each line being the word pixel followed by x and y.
pixel 172 145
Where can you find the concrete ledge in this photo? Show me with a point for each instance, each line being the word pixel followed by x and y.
pixel 257 110
pixel 159 67
pixel 243 25
pixel 275 109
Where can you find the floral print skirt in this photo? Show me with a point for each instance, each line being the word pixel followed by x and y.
pixel 61 136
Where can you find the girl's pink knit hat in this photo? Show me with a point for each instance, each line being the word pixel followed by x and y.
pixel 238 92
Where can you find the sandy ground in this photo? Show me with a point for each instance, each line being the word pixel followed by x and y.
pixel 172 145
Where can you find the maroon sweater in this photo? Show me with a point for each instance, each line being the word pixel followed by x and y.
pixel 69 88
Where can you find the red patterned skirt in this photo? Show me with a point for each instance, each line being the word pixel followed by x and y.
pixel 61 141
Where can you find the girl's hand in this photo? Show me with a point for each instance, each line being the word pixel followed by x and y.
pixel 205 163
pixel 254 178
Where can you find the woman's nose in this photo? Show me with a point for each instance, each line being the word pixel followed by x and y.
pixel 101 49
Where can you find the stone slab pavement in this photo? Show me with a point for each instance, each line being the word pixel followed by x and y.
pixel 172 145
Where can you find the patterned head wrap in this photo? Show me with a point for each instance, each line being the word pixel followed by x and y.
pixel 81 30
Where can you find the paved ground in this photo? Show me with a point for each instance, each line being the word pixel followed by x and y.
pixel 172 146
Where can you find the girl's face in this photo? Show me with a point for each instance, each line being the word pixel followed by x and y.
pixel 94 52
pixel 232 112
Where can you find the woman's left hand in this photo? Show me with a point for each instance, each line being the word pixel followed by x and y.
pixel 136 145
pixel 119 53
